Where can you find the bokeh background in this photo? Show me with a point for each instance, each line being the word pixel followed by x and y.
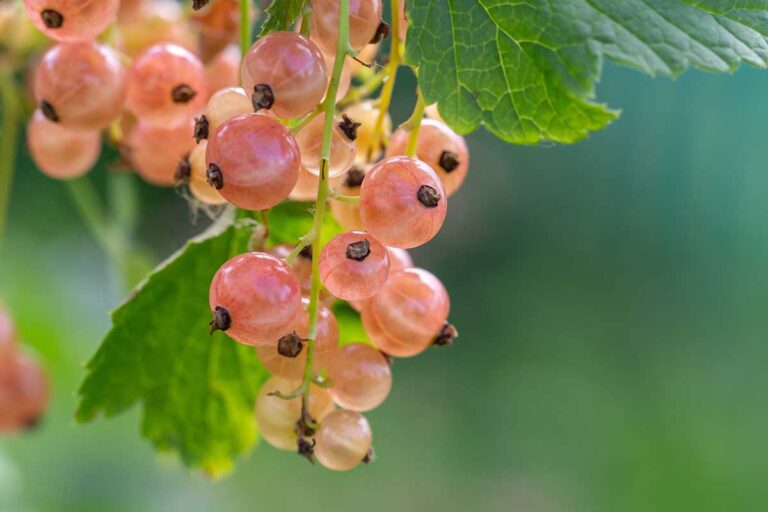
pixel 611 298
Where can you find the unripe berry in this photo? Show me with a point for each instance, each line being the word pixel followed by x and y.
pixel 255 299
pixel 152 22
pixel 198 179
pixel 306 187
pixel 366 113
pixel 225 104
pixel 348 214
pixel 402 202
pixel 343 440
pixel 310 141
pixel 361 377
pixel 60 152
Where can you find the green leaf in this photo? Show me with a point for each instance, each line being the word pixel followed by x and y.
pixel 197 391
pixel 282 15
pixel 350 326
pixel 527 70
pixel 291 220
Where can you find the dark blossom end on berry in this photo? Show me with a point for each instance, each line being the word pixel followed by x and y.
pixel 263 97
pixel 183 93
pixel 446 336
pixel 49 112
pixel 428 196
pixel 359 250
pixel 221 320
pixel 202 128
pixel 349 127
pixel 51 18
pixel 290 345
pixel 214 176
pixel 449 161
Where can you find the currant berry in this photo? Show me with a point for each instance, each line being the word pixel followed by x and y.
pixel 348 214
pixel 364 19
pixel 81 85
pixel 276 418
pixel 432 113
pixel 440 147
pixel 253 161
pixel 225 104
pixel 366 113
pixel 59 152
pixel 23 394
pixel 399 259
pixel 402 202
pixel 345 79
pixel 310 140
pixel 217 27
pixel 361 377
pixel 166 85
pixel 408 314
pixel 71 20
pixel 255 299
pixel 224 70
pixel 306 186
pixel 301 266
pixel 155 151
pixel 343 440
pixel 290 363
pixel 152 22
pixel 198 179
pixel 354 266
pixel 285 73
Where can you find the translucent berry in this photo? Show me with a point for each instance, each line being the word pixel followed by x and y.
pixel 343 440
pixel 253 161
pixel 155 151
pixel 224 70
pixel 285 73
pixel 153 22
pixel 399 259
pixel 364 19
pixel 402 202
pixel 72 20
pixel 60 152
pixel 255 299
pixel 23 394
pixel 345 79
pixel 301 266
pixel 366 113
pixel 276 418
pixel 345 213
pixel 432 113
pixel 354 265
pixel 225 104
pixel 166 85
pixel 217 27
pixel 198 179
pixel 310 140
pixel 291 364
pixel 306 186
pixel 408 314
pixel 440 147
pixel 361 377
pixel 81 85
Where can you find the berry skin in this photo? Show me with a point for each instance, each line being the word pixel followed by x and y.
pixel 260 298
pixel 306 186
pixel 325 347
pixel 366 114
pixel 310 140
pixel 166 85
pixel 443 149
pixel 301 266
pixel 399 259
pixel 82 85
pixel 59 152
pixel 402 202
pixel 293 70
pixel 72 20
pixel 198 181
pixel 217 26
pixel 408 314
pixel 348 214
pixel 155 151
pixel 224 70
pixel 343 440
pixel 361 377
pixel 354 266
pixel 152 22
pixel 253 161
pixel 277 418
pixel 23 394
pixel 225 104
pixel 364 19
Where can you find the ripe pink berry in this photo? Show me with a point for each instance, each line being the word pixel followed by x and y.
pixel 364 19
pixel 255 298
pixel 343 440
pixel 253 161
pixel 59 152
pixel 399 259
pixel 402 202
pixel 354 266
pixel 310 140
pixel 155 150
pixel 224 70
pixel 166 85
pixel 71 20
pixel 81 85
pixel 23 394
pixel 285 72
pixel 278 358
pixel 361 377
pixel 276 418
pixel 408 314
pixel 440 147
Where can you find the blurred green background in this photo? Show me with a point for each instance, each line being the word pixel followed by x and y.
pixel 611 298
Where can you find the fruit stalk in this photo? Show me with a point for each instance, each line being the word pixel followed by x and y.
pixel 10 131
pixel 414 124
pixel 245 26
pixel 342 50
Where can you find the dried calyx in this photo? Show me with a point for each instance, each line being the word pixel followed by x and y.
pixel 382 31
pixel 49 112
pixel 263 97
pixel 428 196
pixel 183 93
pixel 306 252
pixel 51 18
pixel 290 345
pixel 183 171
pixel 306 449
pixel 214 176
pixel 358 251
pixel 221 320
pixel 449 161
pixel 349 126
pixel 370 456
pixel 354 178
pixel 202 128
pixel 446 336
pixel 199 4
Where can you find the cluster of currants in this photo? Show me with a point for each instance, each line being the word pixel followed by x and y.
pixel 23 387
pixel 255 142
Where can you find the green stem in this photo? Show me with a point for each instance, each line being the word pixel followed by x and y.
pixel 414 124
pixel 342 50
pixel 364 90
pixel 307 119
pixel 245 26
pixel 8 139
